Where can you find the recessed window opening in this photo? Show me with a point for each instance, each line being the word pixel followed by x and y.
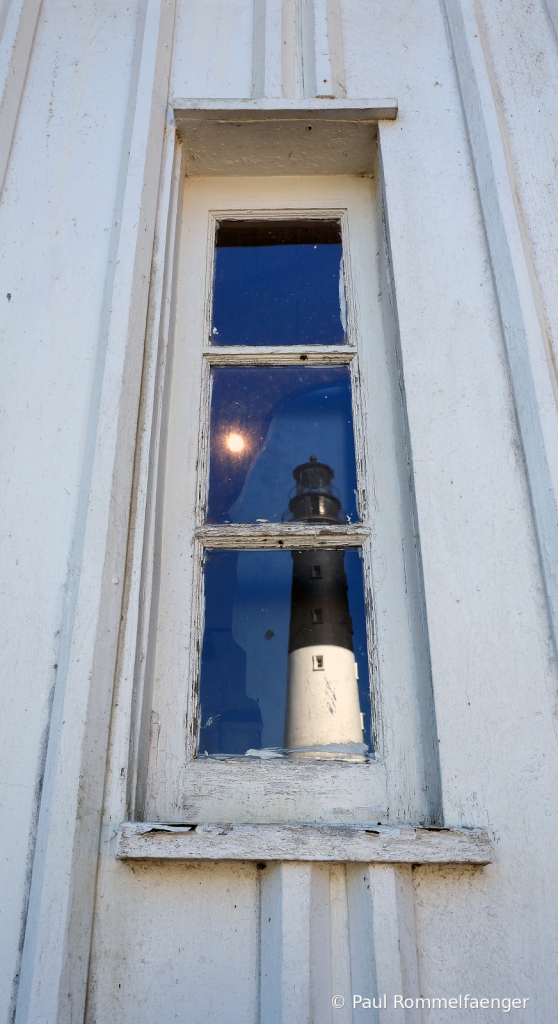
pixel 271 467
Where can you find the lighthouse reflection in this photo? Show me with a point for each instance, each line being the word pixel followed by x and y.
pixel 245 651
pixel 323 715
pixel 284 665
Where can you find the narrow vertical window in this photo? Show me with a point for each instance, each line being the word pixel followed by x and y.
pixel 284 657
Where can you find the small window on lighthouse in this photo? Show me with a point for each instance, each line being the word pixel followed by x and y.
pixel 281 456
pixel 280 538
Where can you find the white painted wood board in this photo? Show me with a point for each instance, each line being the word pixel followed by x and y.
pixel 256 790
pixel 283 109
pixel 213 49
pixel 340 843
pixel 62 888
pixel 186 947
pixel 55 247
pixel 280 136
pixel 18 24
pixel 494 683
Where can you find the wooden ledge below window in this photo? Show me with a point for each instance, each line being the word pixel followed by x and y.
pixel 341 843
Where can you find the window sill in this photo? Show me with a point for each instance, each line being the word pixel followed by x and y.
pixel 342 843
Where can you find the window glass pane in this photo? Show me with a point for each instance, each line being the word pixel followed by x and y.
pixel 284 641
pixel 265 421
pixel 278 283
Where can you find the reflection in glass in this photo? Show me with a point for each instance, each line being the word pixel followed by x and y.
pixel 323 708
pixel 265 420
pixel 283 633
pixel 278 283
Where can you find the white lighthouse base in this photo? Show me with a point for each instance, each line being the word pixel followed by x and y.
pixel 322 704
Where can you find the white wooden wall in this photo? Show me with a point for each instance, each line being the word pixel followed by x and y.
pixel 469 170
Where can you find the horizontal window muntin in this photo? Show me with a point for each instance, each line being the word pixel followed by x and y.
pixel 279 355
pixel 282 535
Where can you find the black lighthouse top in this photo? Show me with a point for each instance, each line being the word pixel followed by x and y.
pixel 319 602
pixel 314 500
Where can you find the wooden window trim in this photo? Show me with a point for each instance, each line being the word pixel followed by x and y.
pixel 244 791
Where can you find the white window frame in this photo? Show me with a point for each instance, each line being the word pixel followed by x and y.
pixel 171 784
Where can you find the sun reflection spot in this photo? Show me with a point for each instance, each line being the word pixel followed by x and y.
pixel 235 442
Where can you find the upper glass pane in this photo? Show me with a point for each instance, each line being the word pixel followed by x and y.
pixel 278 283
pixel 268 422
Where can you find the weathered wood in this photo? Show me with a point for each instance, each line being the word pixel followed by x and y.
pixel 283 535
pixel 269 355
pixel 179 787
pixel 284 109
pixel 340 843
pixel 251 790
pixel 182 938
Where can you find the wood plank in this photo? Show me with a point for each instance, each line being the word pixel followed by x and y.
pixel 284 109
pixel 526 346
pixel 270 789
pixel 271 355
pixel 340 843
pixel 284 535
pixel 62 897
pixel 394 938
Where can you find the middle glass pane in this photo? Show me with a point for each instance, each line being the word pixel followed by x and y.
pixel 266 421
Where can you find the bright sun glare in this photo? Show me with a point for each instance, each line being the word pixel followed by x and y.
pixel 235 442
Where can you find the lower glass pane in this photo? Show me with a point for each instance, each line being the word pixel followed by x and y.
pixel 284 666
